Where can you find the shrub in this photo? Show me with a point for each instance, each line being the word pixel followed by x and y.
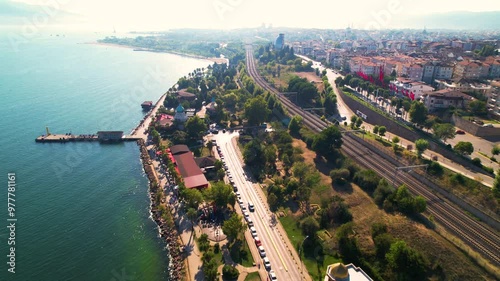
pixel 367 180
pixel 216 248
pixel 476 161
pixel 340 175
pixel 435 169
pixel 488 169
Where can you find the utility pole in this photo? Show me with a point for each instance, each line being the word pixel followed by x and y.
pixel 396 169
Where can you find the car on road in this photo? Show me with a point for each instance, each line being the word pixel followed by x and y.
pixel 262 252
pixel 246 214
pixel 272 275
pixel 251 207
pixel 460 132
pixel 240 201
pixel 238 195
pixel 267 263
pixel 249 222
pixel 488 125
pixel 253 231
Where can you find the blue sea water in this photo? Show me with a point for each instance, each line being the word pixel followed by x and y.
pixel 81 208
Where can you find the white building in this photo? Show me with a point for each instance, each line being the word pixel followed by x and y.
pixel 180 114
pixel 341 272
pixel 409 88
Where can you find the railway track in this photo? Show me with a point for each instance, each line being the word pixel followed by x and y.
pixel 476 235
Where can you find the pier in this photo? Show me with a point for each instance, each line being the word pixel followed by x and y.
pixel 101 136
pixel 139 132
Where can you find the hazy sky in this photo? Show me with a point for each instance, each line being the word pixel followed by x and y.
pixel 126 15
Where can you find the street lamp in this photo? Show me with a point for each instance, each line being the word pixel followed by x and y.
pixel 300 248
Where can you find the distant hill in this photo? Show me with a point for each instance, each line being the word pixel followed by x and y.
pixel 454 20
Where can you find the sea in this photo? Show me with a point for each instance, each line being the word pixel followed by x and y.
pixel 81 210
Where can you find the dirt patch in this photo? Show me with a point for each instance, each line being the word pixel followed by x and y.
pixel 311 76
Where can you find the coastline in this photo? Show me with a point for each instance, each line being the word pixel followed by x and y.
pixel 164 205
pixel 212 59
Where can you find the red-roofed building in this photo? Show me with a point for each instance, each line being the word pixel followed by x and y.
pixel 191 174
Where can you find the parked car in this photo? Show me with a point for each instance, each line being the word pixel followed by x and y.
pixel 460 132
pixel 253 231
pixel 262 252
pixel 257 241
pixel 250 222
pixel 267 263
pixel 488 125
pixel 272 275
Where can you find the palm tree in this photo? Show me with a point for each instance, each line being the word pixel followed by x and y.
pixel 192 214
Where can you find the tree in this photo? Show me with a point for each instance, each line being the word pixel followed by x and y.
pixel 220 194
pixel 195 127
pixel 382 244
pixel 192 197
pixel 340 176
pixel 230 272
pixel 464 148
pixel 359 121
pixel 192 215
pixel 295 124
pixel 478 107
pixel 309 227
pixel 210 145
pixel 233 227
pixel 306 90
pixel 256 110
pixel 407 262
pixel 496 185
pixel 395 139
pixel 273 202
pixel 418 112
pixel 382 130
pixel 495 150
pixel 179 137
pixel 421 145
pixel 420 204
pixel 375 129
pixel 327 142
pixel 444 131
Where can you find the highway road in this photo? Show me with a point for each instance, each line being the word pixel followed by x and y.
pixel 277 249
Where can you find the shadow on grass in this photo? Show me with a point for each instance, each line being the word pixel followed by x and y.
pixel 315 259
pixel 240 253
pixel 345 187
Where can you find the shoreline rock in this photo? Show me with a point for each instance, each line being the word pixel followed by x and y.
pixel 167 228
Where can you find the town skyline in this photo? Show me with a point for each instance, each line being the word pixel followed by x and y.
pixel 153 15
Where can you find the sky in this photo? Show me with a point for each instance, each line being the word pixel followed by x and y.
pixel 130 15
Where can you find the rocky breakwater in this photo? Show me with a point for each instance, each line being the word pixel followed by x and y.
pixel 162 214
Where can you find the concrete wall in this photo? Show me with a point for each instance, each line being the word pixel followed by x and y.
pixel 393 127
pixel 475 129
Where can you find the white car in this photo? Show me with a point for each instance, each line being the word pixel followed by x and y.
pixel 267 263
pixel 272 275
pixel 246 215
pixel 253 231
pixel 240 201
pixel 262 252
pixel 249 222
pixel 238 194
